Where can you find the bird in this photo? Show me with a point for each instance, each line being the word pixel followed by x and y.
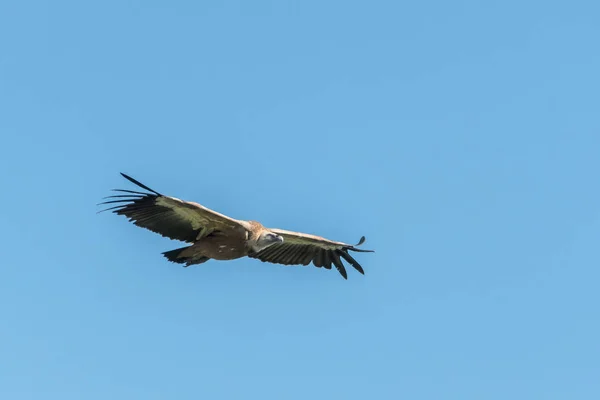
pixel 212 235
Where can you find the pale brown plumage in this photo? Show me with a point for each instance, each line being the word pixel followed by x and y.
pixel 217 236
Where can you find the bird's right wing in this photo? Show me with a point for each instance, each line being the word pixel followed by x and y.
pixel 303 248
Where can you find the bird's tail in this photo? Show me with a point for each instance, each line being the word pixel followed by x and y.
pixel 174 256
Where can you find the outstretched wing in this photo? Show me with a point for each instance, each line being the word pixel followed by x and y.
pixel 171 217
pixel 302 249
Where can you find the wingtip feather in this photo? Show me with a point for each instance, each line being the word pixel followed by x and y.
pixel 360 242
pixel 138 183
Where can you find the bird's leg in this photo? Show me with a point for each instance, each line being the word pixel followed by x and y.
pixel 204 231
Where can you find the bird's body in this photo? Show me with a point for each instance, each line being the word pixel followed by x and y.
pixel 218 247
pixel 215 236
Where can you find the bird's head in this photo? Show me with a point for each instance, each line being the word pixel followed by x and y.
pixel 267 239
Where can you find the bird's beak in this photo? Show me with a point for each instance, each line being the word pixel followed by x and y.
pixel 280 239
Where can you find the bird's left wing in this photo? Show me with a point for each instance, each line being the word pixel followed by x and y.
pixel 171 217
pixel 302 249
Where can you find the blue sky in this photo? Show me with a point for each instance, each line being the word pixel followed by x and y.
pixel 461 138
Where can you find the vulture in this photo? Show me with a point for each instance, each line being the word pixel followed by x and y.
pixel 211 235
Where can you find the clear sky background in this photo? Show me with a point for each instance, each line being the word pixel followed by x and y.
pixel 461 138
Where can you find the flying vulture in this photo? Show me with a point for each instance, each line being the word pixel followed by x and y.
pixel 217 236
